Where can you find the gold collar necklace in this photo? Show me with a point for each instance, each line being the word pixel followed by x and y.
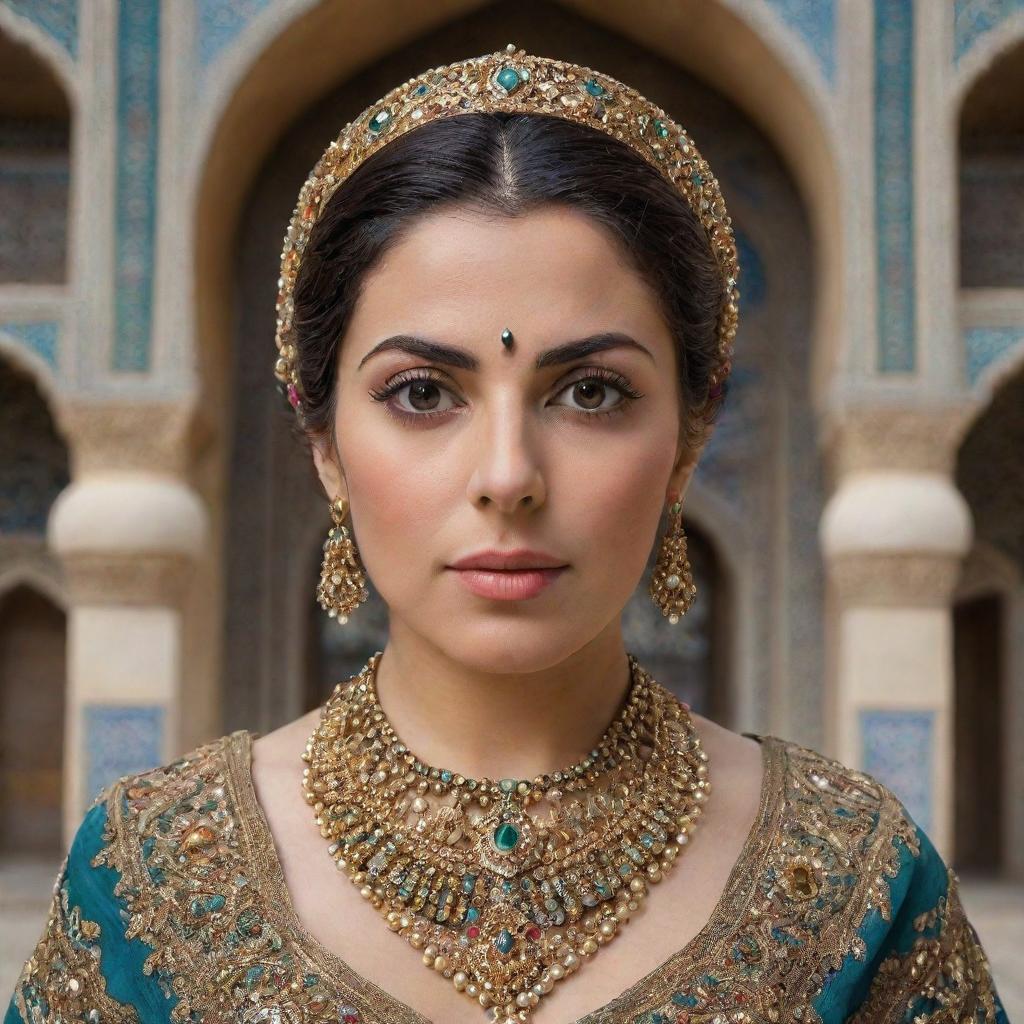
pixel 501 902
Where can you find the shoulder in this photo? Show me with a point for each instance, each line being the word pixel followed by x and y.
pixel 859 877
pixel 95 952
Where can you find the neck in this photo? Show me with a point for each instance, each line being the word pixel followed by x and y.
pixel 513 724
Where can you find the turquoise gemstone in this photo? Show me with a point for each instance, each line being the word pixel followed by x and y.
pixel 446 776
pixel 508 79
pixel 506 836
pixel 507 785
pixel 505 941
pixel 379 120
pixel 646 839
pixel 472 914
pixel 660 129
pixel 215 903
pixel 420 90
pixel 468 881
pixel 696 179
pixel 594 87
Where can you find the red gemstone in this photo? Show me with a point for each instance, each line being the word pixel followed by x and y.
pixel 533 934
pixel 293 396
pixel 472 931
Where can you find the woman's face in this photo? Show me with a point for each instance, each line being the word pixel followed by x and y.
pixel 576 459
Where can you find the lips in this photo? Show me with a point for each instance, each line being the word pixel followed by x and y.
pixel 517 559
pixel 508 584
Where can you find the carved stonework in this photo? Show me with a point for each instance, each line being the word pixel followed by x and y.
pixel 134 579
pixel 122 435
pixel 905 579
pixel 872 436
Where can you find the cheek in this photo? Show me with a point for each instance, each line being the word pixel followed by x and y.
pixel 615 496
pixel 402 495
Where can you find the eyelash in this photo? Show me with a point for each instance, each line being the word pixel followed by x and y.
pixel 410 376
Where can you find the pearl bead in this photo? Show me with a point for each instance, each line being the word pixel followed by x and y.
pixel 608 926
pixel 571 962
pixel 557 971
pixel 440 963
pixel 523 999
pixel 459 980
pixel 589 947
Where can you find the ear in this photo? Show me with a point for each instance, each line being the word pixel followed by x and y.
pixel 327 469
pixel 682 471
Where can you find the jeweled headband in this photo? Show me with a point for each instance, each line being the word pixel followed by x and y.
pixel 514 81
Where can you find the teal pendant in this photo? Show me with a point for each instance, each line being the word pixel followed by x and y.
pixel 505 942
pixel 505 837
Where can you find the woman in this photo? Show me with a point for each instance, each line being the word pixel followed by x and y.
pixel 506 313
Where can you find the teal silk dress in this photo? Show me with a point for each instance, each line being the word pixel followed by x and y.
pixel 171 906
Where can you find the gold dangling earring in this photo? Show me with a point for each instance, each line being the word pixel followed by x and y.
pixel 342 586
pixel 672 586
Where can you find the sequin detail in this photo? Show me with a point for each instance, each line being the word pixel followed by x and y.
pixel 944 976
pixel 62 980
pixel 192 894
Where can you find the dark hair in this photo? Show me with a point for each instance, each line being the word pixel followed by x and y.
pixel 505 164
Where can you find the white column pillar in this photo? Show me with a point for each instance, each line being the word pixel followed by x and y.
pixel 127 540
pixel 893 540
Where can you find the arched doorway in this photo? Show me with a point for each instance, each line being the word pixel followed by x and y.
pixel 32 682
pixel 33 471
pixel 989 659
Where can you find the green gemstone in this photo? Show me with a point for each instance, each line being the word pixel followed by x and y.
pixel 508 79
pixel 506 836
pixel 660 129
pixel 505 941
pixel 594 87
pixel 507 785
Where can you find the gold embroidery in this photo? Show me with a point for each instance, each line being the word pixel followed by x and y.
pixel 61 980
pixel 174 835
pixel 944 978
pixel 206 890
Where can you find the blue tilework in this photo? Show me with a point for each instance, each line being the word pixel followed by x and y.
pixel 120 739
pixel 815 21
pixel 41 337
pixel 894 183
pixel 973 18
pixel 984 345
pixel 138 107
pixel 57 18
pixel 896 748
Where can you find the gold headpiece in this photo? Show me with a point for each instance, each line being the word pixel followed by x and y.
pixel 514 81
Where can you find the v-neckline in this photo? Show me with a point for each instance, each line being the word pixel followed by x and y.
pixel 261 851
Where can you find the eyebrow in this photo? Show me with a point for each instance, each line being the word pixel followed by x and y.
pixel 462 359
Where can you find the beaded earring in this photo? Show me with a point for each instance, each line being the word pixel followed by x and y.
pixel 342 586
pixel 672 587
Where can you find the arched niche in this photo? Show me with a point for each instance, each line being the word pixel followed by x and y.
pixel 35 165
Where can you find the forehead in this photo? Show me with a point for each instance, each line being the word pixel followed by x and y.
pixel 544 273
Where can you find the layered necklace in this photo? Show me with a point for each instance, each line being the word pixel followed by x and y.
pixel 502 902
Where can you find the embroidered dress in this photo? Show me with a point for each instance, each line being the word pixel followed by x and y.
pixel 171 906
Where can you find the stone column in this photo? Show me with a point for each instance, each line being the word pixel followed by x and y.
pixel 894 534
pixel 127 531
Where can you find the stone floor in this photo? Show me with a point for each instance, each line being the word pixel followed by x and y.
pixel 995 908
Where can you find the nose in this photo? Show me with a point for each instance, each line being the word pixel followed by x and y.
pixel 508 472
